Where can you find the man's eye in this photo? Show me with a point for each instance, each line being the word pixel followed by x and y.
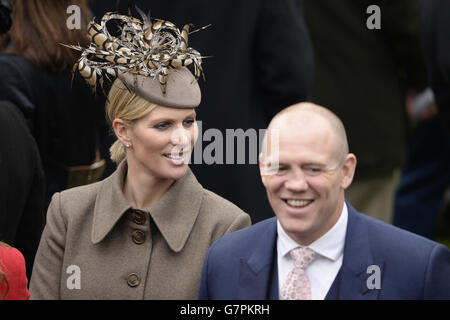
pixel 314 170
pixel 282 169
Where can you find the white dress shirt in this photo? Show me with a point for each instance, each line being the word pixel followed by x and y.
pixel 329 253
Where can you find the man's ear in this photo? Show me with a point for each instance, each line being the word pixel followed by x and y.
pixel 122 131
pixel 348 170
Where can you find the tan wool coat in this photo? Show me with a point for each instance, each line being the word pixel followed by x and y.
pixel 96 246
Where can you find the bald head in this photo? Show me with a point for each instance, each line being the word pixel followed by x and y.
pixel 306 169
pixel 307 115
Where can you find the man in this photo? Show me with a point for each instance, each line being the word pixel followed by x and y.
pixel 343 254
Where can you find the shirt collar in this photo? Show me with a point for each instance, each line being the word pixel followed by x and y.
pixel 330 245
pixel 174 213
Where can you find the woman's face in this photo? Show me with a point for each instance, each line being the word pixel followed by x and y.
pixel 162 142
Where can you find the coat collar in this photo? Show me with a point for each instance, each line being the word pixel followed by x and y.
pixel 174 214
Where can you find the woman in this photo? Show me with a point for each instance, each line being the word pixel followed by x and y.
pixel 143 232
pixel 13 280
pixel 36 77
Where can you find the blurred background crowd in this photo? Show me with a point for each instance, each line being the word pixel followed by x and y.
pixel 390 85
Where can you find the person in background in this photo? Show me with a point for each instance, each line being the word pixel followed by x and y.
pixel 13 280
pixel 22 182
pixel 36 77
pixel 366 76
pixel 143 232
pixel 420 196
pixel 22 185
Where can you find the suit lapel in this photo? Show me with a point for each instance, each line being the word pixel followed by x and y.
pixel 258 278
pixel 351 281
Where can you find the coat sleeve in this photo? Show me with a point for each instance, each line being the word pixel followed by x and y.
pixel 284 55
pixel 437 275
pixel 46 277
pixel 240 222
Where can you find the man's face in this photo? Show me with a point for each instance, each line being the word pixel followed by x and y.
pixel 307 192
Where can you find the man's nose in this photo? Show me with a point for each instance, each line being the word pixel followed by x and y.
pixel 297 182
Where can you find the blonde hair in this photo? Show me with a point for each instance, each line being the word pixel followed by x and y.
pixel 127 106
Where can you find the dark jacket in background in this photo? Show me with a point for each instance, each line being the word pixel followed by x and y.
pixel 261 62
pixel 362 74
pixel 436 24
pixel 22 185
pixel 62 117
pixel 420 197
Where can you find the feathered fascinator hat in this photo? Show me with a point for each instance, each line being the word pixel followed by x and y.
pixel 150 57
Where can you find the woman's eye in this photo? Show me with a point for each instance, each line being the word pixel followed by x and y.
pixel 188 122
pixel 162 125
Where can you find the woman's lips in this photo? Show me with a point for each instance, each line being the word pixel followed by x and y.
pixel 178 158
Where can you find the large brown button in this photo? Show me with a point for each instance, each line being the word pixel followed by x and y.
pixel 138 237
pixel 133 280
pixel 138 217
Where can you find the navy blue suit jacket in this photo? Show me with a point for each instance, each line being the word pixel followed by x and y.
pixel 243 264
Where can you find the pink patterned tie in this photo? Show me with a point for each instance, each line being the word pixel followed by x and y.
pixel 297 286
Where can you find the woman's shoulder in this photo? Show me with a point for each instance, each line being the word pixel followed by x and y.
pixel 10 254
pixel 224 215
pixel 83 192
pixel 216 203
pixel 78 199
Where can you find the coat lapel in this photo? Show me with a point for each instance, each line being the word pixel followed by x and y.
pixel 110 204
pixel 258 278
pixel 174 214
pixel 351 281
pixel 177 210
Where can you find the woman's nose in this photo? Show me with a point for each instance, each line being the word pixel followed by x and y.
pixel 180 136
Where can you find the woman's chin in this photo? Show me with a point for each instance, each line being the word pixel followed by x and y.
pixel 175 172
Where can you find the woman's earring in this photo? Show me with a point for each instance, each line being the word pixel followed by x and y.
pixel 128 145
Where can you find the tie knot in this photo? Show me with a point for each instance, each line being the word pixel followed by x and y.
pixel 302 256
